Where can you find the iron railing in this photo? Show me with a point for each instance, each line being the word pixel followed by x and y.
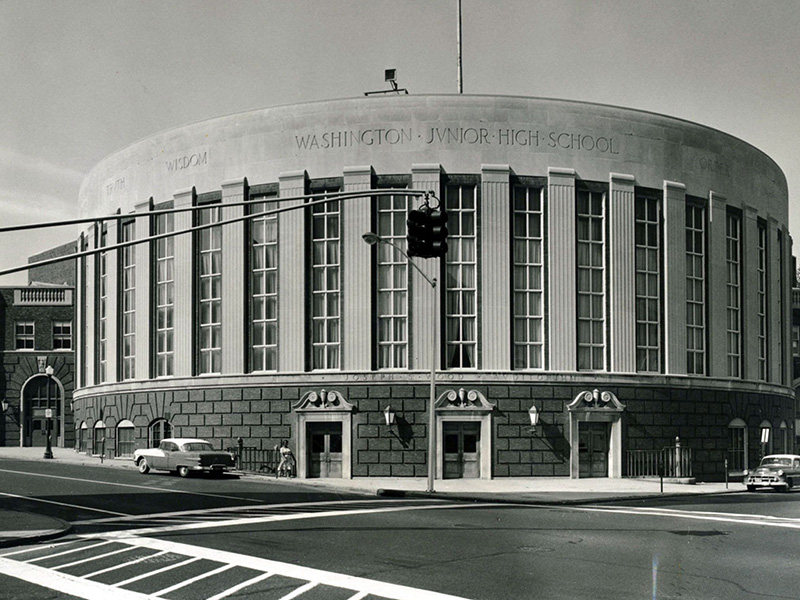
pixel 249 458
pixel 670 461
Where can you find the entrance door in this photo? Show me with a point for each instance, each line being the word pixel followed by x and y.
pixel 324 443
pixel 593 449
pixel 461 450
pixel 41 393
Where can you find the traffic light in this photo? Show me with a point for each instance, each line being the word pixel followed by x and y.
pixel 417 233
pixel 427 233
pixel 437 231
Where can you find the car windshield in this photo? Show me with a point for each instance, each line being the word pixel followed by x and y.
pixel 197 447
pixel 776 460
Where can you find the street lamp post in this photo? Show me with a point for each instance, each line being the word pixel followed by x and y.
pixel 48 450
pixel 372 239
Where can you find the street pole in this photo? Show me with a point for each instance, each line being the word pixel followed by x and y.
pixel 432 402
pixel 48 450
pixel 372 239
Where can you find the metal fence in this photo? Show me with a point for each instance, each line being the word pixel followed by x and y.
pixel 256 459
pixel 671 461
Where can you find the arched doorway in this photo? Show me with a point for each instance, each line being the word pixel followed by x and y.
pixel 42 407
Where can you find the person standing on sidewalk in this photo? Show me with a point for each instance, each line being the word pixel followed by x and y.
pixel 286 466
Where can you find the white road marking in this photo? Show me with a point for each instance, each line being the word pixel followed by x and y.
pixel 125 564
pixel 93 558
pixel 157 571
pixel 301 590
pixel 100 510
pixel 70 551
pixel 67 584
pixel 349 582
pixel 129 485
pixel 229 509
pixel 769 521
pixel 232 590
pixel 191 580
pixel 273 518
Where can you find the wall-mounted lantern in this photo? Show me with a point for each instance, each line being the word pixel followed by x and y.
pixel 4 406
pixel 533 413
pixel 389 416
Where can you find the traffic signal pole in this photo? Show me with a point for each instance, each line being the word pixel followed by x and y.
pixel 371 239
pixel 432 403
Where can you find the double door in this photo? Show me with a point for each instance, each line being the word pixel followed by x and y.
pixel 324 443
pixel 461 443
pixel 593 445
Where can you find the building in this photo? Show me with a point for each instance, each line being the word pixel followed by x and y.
pixel 624 274
pixel 38 359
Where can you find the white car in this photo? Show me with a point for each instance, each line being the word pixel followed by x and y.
pixel 778 471
pixel 184 456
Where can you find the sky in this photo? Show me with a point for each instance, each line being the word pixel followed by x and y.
pixel 81 79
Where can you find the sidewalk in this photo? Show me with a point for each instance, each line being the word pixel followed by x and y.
pixel 18 527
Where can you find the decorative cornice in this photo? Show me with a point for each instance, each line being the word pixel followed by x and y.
pixel 329 401
pixel 463 400
pixel 595 400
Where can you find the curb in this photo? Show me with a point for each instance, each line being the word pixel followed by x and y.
pixel 35 536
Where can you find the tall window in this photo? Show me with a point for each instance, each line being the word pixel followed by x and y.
pixel 165 296
pixel 591 281
pixel 325 286
pixel 392 284
pixel 695 291
pixel 780 308
pixel 461 312
pixel 157 431
pixel 210 286
pixel 648 286
pixel 24 335
pixel 762 302
pixel 102 309
pixel 62 335
pixel 264 287
pixel 128 293
pixel 734 263
pixel 528 269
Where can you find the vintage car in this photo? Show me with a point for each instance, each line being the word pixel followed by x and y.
pixel 775 471
pixel 184 456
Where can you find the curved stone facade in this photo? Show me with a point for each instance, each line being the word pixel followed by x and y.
pixel 591 248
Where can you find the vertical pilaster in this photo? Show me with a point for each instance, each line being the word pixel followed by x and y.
pixel 422 298
pixel 90 304
pixel 357 313
pixel 184 285
pixel 561 284
pixel 144 328
pixel 717 299
pixel 622 273
pixel 750 324
pixel 774 337
pixel 496 244
pixel 113 305
pixel 292 334
pixel 234 278
pixel 788 279
pixel 674 236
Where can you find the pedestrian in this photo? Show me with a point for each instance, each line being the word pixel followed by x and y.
pixel 286 466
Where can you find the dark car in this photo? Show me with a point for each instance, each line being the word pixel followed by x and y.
pixel 778 471
pixel 184 456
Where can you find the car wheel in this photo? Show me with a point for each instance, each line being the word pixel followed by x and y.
pixel 789 484
pixel 183 471
pixel 144 468
pixel 751 488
